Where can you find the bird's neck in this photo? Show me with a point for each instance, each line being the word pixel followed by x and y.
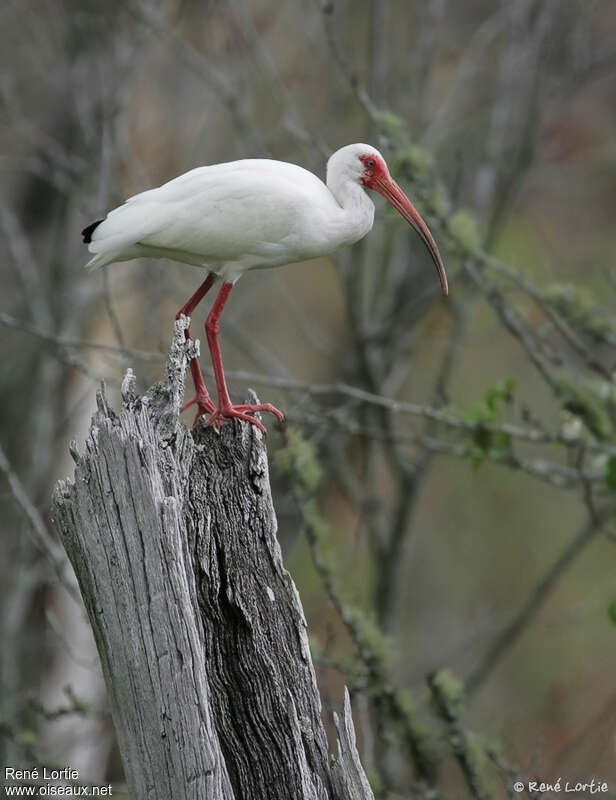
pixel 349 194
pixel 357 208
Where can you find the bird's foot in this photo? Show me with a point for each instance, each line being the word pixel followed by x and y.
pixel 204 405
pixel 243 412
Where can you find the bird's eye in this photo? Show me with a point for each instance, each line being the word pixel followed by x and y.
pixel 371 163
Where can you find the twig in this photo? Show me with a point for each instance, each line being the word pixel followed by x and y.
pixel 113 317
pixel 75 344
pixel 512 631
pixel 398 710
pixel 560 324
pixel 478 44
pixel 39 533
pixel 446 418
pixel 214 78
pixel 411 481
pixel 327 9
pixel 34 295
pixel 551 472
pixel 75 707
pixel 512 322
pixel 447 709
pixel 449 419
pixel 292 119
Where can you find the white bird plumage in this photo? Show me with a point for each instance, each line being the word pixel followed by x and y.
pixel 250 214
pixel 228 218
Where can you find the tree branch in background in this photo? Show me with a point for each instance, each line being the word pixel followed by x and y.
pixel 510 634
pixel 37 527
pixel 446 694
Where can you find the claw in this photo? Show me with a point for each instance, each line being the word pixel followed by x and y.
pixel 204 406
pixel 219 415
pixel 251 408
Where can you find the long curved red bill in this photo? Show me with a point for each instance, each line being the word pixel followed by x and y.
pixel 390 190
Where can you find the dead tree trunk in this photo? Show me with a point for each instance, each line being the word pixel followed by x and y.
pixel 199 627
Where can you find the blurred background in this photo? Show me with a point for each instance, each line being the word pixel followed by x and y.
pixel 454 549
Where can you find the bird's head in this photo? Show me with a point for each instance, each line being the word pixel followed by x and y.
pixel 363 164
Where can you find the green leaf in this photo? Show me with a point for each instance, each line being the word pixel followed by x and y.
pixel 510 385
pixel 298 460
pixel 611 612
pixel 27 738
pixel 610 473
pixel 495 396
pixel 465 231
pixel 391 124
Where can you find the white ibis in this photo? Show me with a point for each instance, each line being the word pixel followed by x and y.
pixel 250 214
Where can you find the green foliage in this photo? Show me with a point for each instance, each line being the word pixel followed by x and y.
pixel 610 473
pixel 495 397
pixel 297 461
pixel 418 735
pixel 374 646
pixel 477 751
pixel 611 612
pixel 486 441
pixel 319 532
pixel 414 161
pixel 572 297
pixel 414 165
pixel 27 738
pixel 436 201
pixel 391 125
pixel 450 687
pixel 80 705
pixel 580 401
pixel 409 159
pixel 579 306
pixel 465 235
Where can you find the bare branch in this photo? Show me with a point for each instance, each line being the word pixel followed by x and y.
pixel 214 78
pixel 25 263
pixel 546 584
pixel 76 344
pixel 512 322
pixel 38 529
pixel 563 327
pixel 447 701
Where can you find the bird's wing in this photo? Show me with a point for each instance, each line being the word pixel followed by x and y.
pixel 250 215
pixel 147 212
pixel 196 180
pixel 126 225
pixel 251 211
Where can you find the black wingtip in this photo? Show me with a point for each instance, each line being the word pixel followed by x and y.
pixel 89 230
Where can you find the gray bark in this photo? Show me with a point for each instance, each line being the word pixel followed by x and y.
pixel 200 629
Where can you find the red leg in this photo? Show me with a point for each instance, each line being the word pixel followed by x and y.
pixel 202 398
pixel 192 303
pixel 226 410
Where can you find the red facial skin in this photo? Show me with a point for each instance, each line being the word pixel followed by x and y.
pixel 374 168
pixel 376 176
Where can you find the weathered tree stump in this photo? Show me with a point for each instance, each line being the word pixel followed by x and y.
pixel 200 629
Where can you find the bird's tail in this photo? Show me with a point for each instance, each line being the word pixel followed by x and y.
pixel 116 237
pixel 89 230
pixel 101 259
